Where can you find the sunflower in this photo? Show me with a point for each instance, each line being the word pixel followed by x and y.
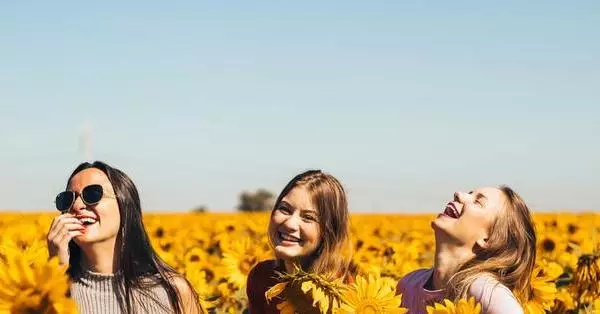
pixel 304 292
pixel 231 299
pixel 597 305
pixel 551 244
pixel 239 258
pixel 568 259
pixel 543 287
pixel 35 253
pixel 22 233
pixel 564 301
pixel 463 306
pixel 170 258
pixel 367 262
pixel 25 288
pixel 207 293
pixel 587 277
pixel 195 256
pixel 371 295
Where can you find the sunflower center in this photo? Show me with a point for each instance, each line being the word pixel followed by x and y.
pixel 369 307
pixel 548 245
pixel 160 232
pixel 32 302
pixel 166 247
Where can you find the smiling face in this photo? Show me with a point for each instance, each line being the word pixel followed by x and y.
pixel 102 220
pixel 294 227
pixel 467 219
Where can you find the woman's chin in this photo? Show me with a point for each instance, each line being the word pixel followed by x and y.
pixel 83 239
pixel 442 230
pixel 288 253
pixel 91 237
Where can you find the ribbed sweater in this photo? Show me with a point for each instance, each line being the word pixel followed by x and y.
pixel 96 293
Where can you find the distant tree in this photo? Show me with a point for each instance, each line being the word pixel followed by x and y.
pixel 260 200
pixel 200 209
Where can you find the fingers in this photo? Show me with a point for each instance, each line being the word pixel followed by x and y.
pixel 67 229
pixel 60 222
pixel 73 226
pixel 64 228
pixel 64 239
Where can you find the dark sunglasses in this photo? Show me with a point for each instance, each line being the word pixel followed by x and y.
pixel 90 195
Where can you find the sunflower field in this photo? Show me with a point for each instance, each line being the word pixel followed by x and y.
pixel 216 252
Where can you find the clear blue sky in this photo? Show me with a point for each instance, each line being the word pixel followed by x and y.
pixel 404 102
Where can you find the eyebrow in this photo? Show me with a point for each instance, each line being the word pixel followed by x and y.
pixel 480 196
pixel 294 208
pixel 285 203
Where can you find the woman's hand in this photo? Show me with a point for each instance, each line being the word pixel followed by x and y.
pixel 64 228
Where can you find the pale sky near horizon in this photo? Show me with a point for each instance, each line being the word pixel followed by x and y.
pixel 404 102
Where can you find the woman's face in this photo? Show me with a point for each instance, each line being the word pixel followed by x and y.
pixel 294 228
pixel 102 220
pixel 467 219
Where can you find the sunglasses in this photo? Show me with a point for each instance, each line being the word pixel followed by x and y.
pixel 90 195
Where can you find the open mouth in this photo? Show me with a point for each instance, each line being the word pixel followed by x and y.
pixel 87 221
pixel 285 238
pixel 451 211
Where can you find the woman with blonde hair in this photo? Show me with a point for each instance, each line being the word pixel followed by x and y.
pixel 485 248
pixel 310 229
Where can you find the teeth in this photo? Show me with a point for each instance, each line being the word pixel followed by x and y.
pixel 451 211
pixel 288 237
pixel 88 220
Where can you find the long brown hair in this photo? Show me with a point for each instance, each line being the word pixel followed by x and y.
pixel 136 261
pixel 509 256
pixel 334 252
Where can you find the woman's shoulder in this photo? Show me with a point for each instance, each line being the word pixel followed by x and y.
pixel 264 274
pixel 494 296
pixel 262 277
pixel 188 295
pixel 486 283
pixel 414 279
pixel 268 267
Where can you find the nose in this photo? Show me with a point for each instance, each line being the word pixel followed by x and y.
pixel 78 205
pixel 292 223
pixel 460 196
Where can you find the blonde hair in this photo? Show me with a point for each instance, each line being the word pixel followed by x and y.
pixel 334 252
pixel 509 256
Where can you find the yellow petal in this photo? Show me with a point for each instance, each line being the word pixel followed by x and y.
pixel 275 290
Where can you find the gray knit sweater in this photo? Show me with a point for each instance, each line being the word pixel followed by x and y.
pixel 95 293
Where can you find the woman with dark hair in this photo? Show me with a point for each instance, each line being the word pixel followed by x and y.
pixel 112 265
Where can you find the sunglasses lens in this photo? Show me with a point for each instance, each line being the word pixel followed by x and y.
pixel 92 194
pixel 64 200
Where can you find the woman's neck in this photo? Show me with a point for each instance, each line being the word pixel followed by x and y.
pixel 448 260
pixel 290 266
pixel 100 257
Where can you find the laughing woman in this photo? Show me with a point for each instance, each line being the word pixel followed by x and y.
pixel 485 248
pixel 309 228
pixel 112 265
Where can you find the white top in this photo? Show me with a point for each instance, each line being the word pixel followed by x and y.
pixel 495 298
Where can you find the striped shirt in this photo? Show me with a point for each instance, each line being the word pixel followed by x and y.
pixel 96 293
